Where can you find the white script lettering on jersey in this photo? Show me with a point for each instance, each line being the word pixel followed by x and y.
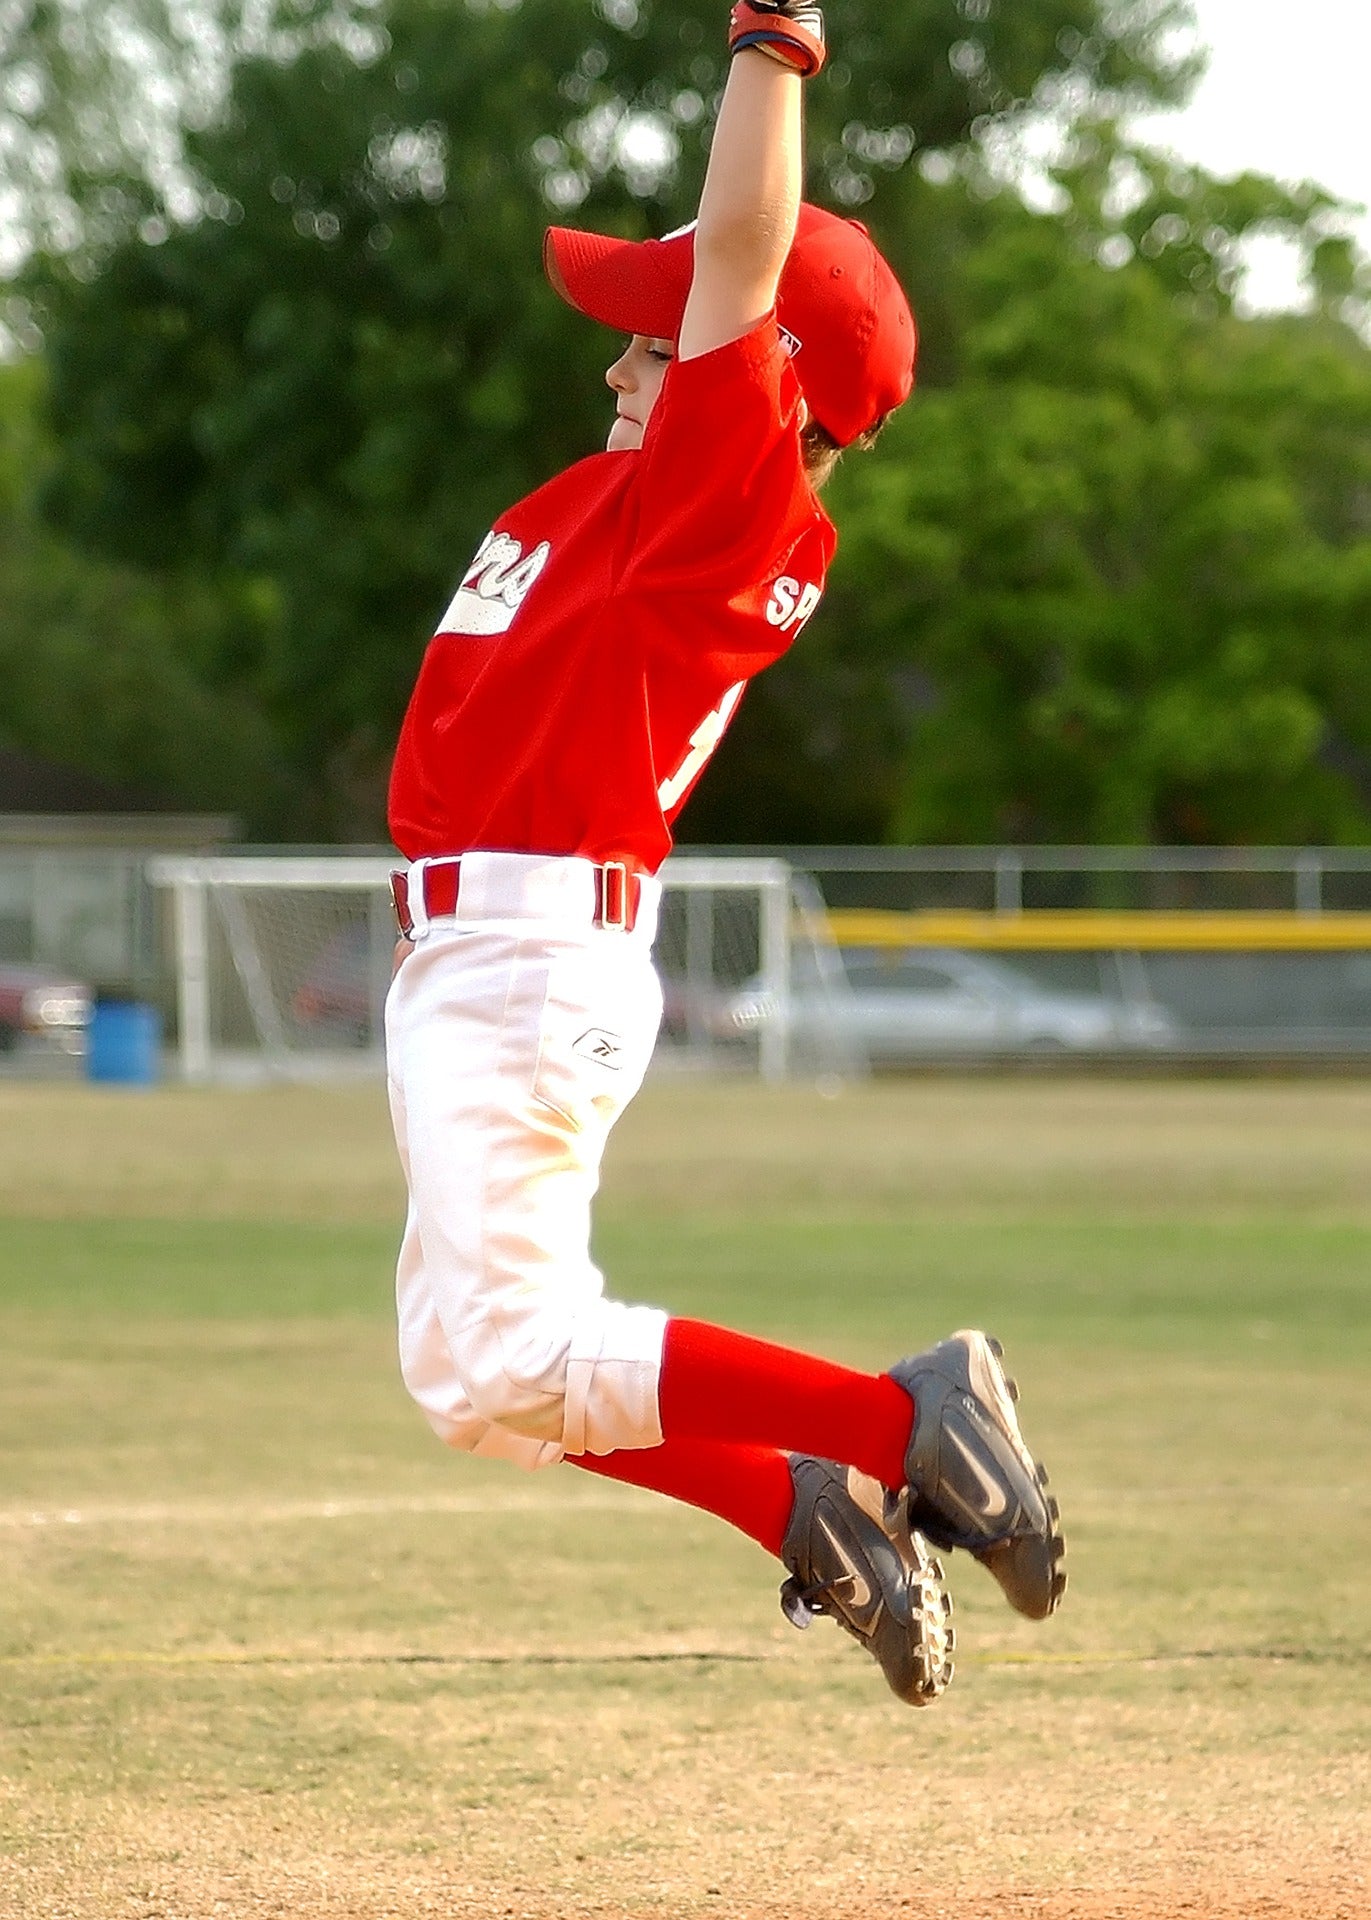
pixel 494 586
pixel 702 743
pixel 791 603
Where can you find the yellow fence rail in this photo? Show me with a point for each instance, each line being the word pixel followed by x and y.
pixel 1091 931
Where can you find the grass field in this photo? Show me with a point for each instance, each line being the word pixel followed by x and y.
pixel 267 1650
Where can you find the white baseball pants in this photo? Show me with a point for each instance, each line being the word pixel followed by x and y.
pixel 516 1033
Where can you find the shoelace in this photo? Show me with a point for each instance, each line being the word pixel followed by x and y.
pixel 801 1605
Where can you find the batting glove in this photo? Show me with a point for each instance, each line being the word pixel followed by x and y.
pixel 791 31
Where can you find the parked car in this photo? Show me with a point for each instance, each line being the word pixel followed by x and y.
pixel 40 1009
pixel 898 1004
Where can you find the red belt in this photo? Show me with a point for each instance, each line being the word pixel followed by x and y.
pixel 618 893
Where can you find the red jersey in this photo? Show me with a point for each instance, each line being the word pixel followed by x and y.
pixel 600 641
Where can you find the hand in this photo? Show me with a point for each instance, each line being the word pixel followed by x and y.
pixel 791 31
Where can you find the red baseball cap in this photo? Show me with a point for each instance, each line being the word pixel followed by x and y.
pixel 841 311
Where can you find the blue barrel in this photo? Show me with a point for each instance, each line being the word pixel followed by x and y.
pixel 124 1043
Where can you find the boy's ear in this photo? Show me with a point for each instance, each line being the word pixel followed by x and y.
pixel 805 415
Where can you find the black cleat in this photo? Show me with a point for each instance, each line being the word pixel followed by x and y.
pixel 852 1554
pixel 972 1481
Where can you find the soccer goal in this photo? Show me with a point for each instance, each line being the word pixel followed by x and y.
pixel 282 965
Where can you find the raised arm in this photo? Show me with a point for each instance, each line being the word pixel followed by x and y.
pixel 753 180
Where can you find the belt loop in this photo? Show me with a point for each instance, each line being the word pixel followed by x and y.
pixel 418 904
pixel 612 889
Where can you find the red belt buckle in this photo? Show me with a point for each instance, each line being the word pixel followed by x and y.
pixel 611 904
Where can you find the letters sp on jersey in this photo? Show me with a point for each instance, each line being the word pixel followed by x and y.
pixel 791 603
pixel 494 586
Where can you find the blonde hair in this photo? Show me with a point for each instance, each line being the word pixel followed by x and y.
pixel 822 452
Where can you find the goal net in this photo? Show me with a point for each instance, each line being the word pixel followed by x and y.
pixel 282 966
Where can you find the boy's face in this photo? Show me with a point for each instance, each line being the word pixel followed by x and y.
pixel 635 379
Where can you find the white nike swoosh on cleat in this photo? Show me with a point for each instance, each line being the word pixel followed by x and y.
pixel 860 1595
pixel 996 1501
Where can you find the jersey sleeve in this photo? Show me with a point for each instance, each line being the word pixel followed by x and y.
pixel 721 500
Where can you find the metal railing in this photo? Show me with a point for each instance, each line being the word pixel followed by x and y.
pixel 1018 879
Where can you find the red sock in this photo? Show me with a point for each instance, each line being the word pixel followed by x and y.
pixel 720 1385
pixel 750 1487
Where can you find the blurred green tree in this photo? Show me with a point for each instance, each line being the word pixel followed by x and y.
pixel 1066 604
pixel 101 664
pixel 96 97
pixel 1116 574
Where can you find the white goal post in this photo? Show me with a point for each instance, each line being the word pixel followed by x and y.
pixel 282 964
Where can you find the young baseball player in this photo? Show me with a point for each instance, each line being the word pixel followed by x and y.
pixel 589 662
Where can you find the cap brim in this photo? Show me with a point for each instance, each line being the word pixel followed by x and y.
pixel 635 286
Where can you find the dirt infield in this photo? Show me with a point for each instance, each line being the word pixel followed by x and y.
pixel 348 1889
pixel 240 1863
